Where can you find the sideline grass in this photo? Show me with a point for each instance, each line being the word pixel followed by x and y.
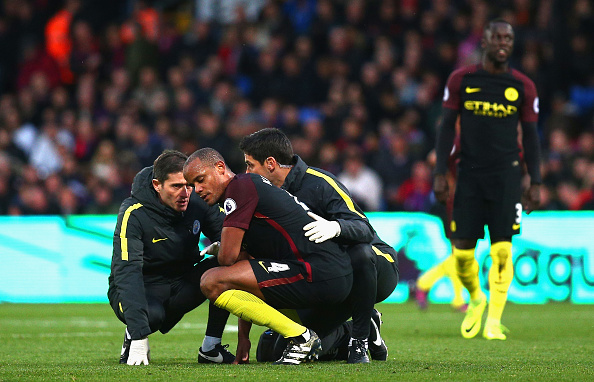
pixel 81 342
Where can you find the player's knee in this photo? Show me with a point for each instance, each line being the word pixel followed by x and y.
pixel 501 255
pixel 501 252
pixel 464 243
pixel 210 285
pixel 156 315
pixel 362 256
pixel 463 254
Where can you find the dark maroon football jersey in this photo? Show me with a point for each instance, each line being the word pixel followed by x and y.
pixel 490 108
pixel 274 220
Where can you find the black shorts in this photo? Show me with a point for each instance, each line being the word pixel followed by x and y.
pixel 283 284
pixel 387 272
pixel 324 319
pixel 168 301
pixel 492 199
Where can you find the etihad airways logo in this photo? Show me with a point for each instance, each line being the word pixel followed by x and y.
pixel 490 109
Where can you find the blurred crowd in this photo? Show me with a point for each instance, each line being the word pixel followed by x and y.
pixel 92 91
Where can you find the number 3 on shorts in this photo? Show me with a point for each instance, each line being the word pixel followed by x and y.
pixel 518 213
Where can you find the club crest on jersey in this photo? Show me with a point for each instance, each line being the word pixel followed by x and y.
pixel 196 227
pixel 229 206
pixel 511 94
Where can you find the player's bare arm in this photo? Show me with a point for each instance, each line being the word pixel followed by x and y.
pixel 531 199
pixel 230 250
pixel 441 188
pixel 244 344
pixel 445 142
pixel 530 142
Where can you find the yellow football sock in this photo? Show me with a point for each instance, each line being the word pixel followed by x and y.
pixel 292 314
pixel 467 269
pixel 251 308
pixel 430 277
pixel 449 266
pixel 501 275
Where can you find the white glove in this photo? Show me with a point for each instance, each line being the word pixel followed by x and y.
pixel 321 229
pixel 139 352
pixel 212 249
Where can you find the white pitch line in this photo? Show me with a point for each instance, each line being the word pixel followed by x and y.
pixel 81 323
pixel 180 327
pixel 86 323
pixel 65 335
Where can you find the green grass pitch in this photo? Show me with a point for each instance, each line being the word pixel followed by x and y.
pixel 81 342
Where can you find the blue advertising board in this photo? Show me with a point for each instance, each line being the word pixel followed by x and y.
pixel 52 259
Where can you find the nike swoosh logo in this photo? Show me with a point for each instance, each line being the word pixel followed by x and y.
pixel 217 359
pixel 263 266
pixel 515 227
pixel 470 329
pixel 156 240
pixel 472 90
pixel 378 338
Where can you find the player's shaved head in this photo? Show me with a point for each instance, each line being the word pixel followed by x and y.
pixel 207 171
pixel 497 44
pixel 207 156
pixel 493 23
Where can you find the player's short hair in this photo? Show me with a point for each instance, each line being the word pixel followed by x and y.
pixel 499 20
pixel 207 155
pixel 169 162
pixel 269 142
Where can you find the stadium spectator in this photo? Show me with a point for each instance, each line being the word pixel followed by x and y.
pixel 103 200
pixel 84 56
pixel 228 11
pixel 364 183
pixel 35 59
pixel 58 39
pixel 386 62
pixel 393 164
pixel 414 194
